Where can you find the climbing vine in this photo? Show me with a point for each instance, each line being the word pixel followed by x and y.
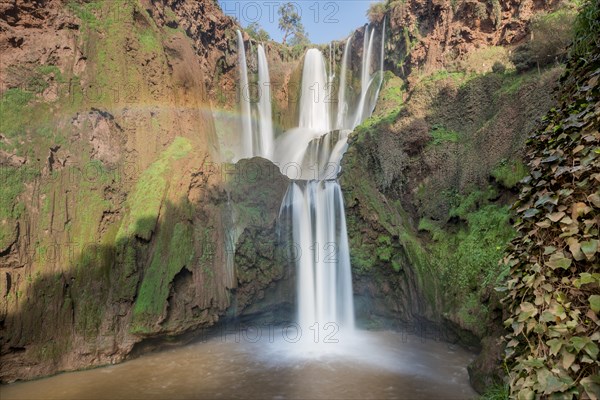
pixel 553 294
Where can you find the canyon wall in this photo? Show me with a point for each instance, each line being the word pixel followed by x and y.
pixel 119 222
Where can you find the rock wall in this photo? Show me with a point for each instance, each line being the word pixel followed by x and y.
pixel 119 223
pixel 409 165
pixel 435 34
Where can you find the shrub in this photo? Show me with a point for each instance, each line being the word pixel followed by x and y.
pixel 551 34
pixel 498 68
pixel 257 33
pixel 376 12
pixel 522 58
pixel 586 30
pixel 441 135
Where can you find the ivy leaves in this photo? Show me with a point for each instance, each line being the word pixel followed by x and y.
pixel 553 292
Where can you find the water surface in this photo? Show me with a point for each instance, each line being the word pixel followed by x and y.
pixel 373 365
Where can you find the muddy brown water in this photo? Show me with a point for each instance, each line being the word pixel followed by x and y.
pixel 373 365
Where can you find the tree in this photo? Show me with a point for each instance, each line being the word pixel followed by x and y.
pixel 289 22
pixel 300 36
pixel 257 33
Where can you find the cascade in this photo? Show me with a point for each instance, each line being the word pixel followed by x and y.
pixel 246 112
pixel 265 120
pixel 381 65
pixel 312 211
pixel 315 210
pixel 314 109
pixel 366 78
pixel 342 110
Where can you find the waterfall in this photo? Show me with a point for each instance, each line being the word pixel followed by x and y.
pixel 342 110
pixel 246 113
pixel 314 209
pixel 366 78
pixel 364 70
pixel 314 110
pixel 312 212
pixel 324 278
pixel 381 65
pixel 382 45
pixel 264 107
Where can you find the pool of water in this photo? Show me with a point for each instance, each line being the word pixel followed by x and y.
pixel 370 365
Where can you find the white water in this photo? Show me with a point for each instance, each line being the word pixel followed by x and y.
pixel 245 110
pixel 314 108
pixel 312 211
pixel 257 136
pixel 315 210
pixel 324 276
pixel 366 79
pixel 265 120
pixel 342 111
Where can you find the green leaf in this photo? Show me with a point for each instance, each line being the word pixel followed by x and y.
pixel 575 249
pixel 591 384
pixel 543 200
pixel 528 310
pixel 549 250
pixel 555 345
pixel 555 217
pixel 579 342
pixel 589 248
pixel 552 384
pixel 525 394
pixel 585 278
pixel 558 260
pixel 547 316
pixel 594 199
pixel 595 302
pixel 531 213
pixel 534 363
pixel 592 349
pixel 558 310
pixel 568 358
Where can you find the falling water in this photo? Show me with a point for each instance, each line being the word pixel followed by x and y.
pixel 381 64
pixel 315 209
pixel 382 45
pixel 319 230
pixel 264 107
pixel 246 113
pixel 312 211
pixel 342 110
pixel 366 78
pixel 366 60
pixel 314 109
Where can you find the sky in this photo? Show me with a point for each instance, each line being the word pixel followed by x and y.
pixel 323 20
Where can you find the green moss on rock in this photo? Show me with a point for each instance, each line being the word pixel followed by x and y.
pixel 146 199
pixel 174 251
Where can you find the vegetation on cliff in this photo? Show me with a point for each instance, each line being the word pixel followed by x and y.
pixel 447 157
pixel 553 295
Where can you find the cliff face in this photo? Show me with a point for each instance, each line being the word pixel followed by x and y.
pixel 443 143
pixel 118 221
pixel 435 34
pixel 429 179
